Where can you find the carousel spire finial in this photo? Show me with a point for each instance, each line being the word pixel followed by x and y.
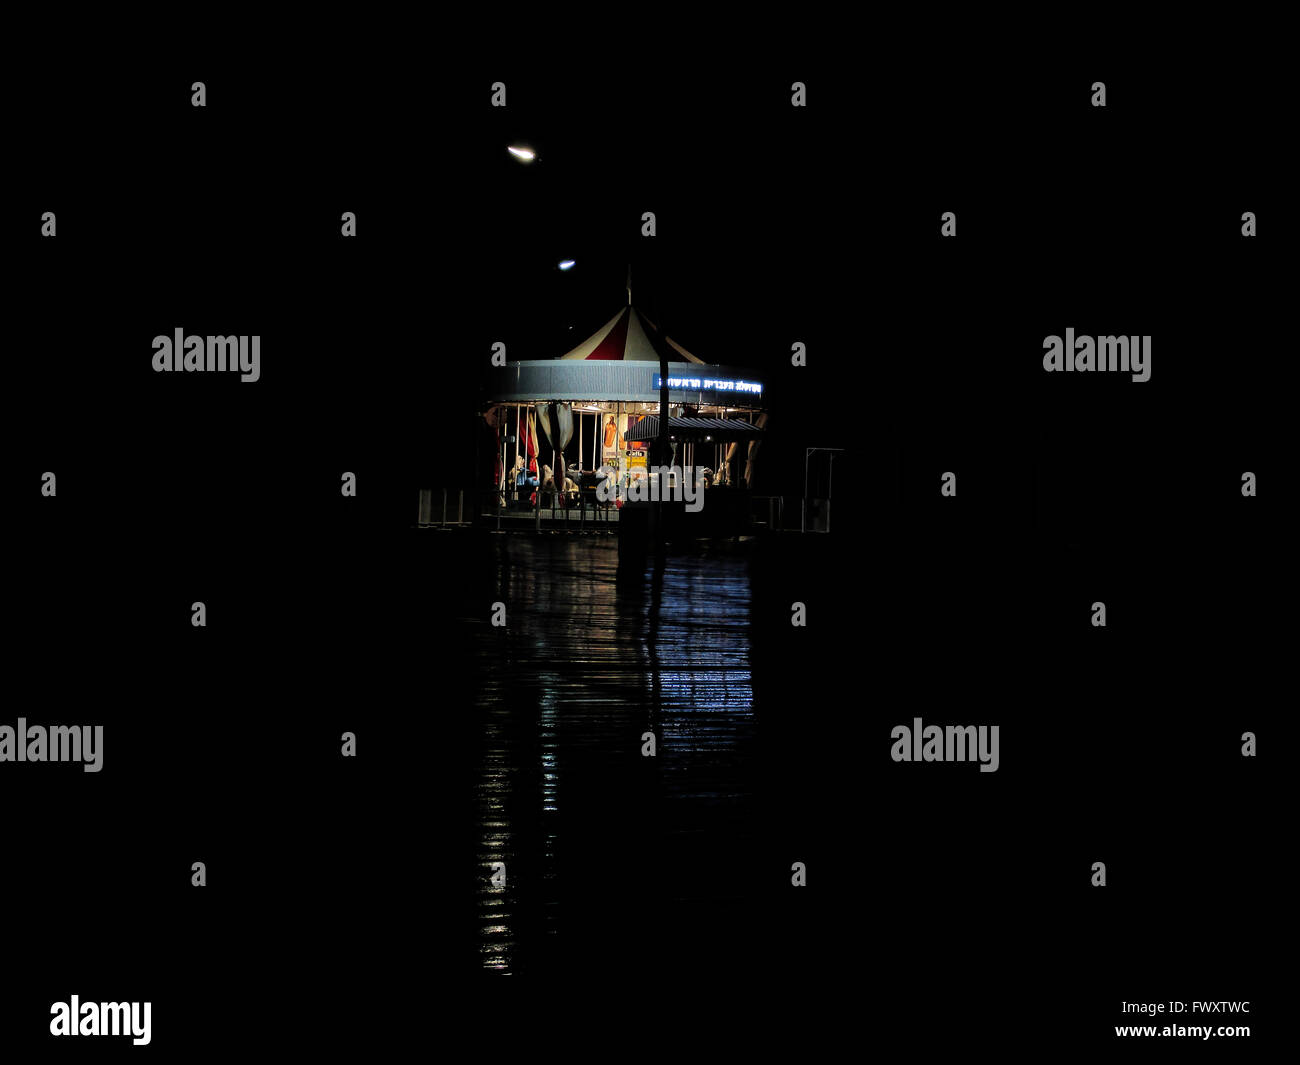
pixel 629 284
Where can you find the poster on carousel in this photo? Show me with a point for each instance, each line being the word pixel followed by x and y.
pixel 612 443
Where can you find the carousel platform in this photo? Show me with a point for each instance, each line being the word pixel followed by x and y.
pixel 568 519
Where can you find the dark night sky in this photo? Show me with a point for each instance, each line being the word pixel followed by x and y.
pixel 775 225
pixel 377 343
pixel 730 182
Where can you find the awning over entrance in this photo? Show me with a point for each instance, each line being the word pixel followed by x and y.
pixel 715 429
pixel 623 382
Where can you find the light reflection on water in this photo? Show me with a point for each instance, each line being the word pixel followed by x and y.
pixel 589 660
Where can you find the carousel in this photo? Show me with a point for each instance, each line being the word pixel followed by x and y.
pixel 564 425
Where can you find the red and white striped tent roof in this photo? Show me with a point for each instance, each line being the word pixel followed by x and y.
pixel 630 337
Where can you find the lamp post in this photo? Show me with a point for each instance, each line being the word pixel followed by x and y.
pixel 662 446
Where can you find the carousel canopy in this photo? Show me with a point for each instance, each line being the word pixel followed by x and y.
pixel 620 363
pixel 630 337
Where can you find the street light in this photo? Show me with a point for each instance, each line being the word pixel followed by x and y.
pixel 525 155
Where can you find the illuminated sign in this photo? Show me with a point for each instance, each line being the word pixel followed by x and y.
pixel 711 384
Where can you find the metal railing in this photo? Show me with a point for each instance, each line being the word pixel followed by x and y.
pixel 511 509
pixel 768 510
pixel 427 517
pixel 810 518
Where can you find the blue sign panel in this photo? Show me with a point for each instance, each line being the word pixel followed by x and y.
pixel 712 384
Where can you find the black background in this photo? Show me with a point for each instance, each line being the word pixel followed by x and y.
pixel 943 904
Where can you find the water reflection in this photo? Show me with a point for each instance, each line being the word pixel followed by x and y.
pixel 591 657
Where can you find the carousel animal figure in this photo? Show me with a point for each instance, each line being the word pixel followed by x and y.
pixel 605 480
